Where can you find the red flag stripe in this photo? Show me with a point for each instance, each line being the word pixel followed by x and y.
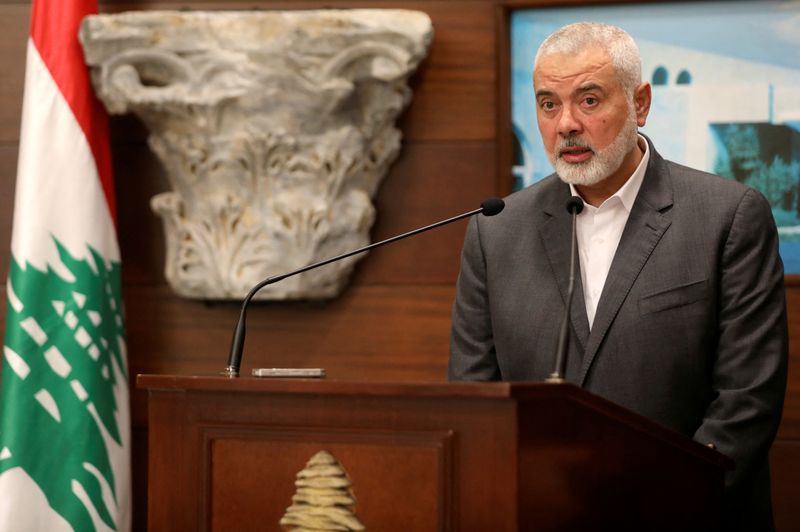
pixel 54 31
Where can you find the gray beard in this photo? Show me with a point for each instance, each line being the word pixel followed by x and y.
pixel 603 162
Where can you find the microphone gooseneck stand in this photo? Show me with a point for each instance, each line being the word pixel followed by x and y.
pixel 489 207
pixel 574 207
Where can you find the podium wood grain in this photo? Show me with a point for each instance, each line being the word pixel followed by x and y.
pixel 463 456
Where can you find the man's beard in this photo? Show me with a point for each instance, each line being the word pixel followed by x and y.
pixel 602 163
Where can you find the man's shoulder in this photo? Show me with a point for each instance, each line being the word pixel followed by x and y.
pixel 525 208
pixel 690 184
pixel 542 193
pixel 698 180
pixel 718 196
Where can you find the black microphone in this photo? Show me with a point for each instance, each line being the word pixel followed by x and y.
pixel 489 207
pixel 574 207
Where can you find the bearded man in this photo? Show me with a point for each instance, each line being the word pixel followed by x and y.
pixel 679 310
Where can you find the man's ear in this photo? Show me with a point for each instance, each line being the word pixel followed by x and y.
pixel 642 97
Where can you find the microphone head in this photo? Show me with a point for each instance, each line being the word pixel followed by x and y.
pixel 575 205
pixel 492 206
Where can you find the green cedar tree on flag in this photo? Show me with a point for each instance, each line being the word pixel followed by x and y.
pixel 64 417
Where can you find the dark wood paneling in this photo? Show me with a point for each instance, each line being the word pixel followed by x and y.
pixel 393 323
pixel 384 333
pixel 8 173
pixel 14 21
pixel 491 436
pixel 429 182
pixel 139 459
pixel 409 323
pixel 790 426
pixel 138 176
pixel 238 461
pixel 785 471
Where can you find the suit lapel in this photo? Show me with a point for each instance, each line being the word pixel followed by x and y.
pixel 646 225
pixel 556 233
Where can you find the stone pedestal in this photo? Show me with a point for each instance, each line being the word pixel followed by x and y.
pixel 275 128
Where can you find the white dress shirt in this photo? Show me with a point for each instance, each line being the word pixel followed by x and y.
pixel 599 231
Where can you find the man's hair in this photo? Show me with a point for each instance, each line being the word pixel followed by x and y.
pixel 620 47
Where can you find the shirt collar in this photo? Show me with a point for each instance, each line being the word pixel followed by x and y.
pixel 628 192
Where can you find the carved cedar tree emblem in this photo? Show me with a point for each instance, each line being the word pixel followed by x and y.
pixel 323 500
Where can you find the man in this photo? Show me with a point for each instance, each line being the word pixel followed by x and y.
pixel 679 309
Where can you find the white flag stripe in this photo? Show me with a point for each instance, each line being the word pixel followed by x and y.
pixel 57 362
pixel 13 300
pixel 68 173
pixel 48 403
pixel 31 326
pixel 31 512
pixel 16 363
pixel 80 391
pixel 5 453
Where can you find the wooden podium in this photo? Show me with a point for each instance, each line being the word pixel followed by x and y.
pixel 224 455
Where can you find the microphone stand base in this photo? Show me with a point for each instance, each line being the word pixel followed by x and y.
pixel 231 372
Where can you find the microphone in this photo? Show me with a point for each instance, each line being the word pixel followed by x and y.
pixel 489 207
pixel 574 207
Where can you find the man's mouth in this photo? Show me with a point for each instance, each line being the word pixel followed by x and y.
pixel 575 154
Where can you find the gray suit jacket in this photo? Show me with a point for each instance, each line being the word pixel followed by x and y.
pixel 690 329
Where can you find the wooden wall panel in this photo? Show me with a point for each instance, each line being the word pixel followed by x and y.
pixel 790 426
pixel 785 471
pixel 8 172
pixel 393 322
pixel 14 21
pixel 379 332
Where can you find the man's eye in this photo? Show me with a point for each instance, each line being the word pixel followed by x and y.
pixel 548 106
pixel 590 100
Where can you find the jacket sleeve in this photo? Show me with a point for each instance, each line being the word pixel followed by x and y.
pixel 749 372
pixel 472 350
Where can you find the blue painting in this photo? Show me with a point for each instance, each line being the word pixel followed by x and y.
pixel 726 92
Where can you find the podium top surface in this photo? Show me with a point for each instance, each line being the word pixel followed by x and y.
pixel 219 383
pixel 516 392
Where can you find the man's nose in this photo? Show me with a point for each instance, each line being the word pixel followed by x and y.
pixel 568 123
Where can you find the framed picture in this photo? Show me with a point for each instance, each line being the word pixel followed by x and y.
pixel 726 92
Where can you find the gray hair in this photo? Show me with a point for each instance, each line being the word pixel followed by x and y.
pixel 574 38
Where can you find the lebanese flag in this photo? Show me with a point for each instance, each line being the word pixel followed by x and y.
pixel 64 415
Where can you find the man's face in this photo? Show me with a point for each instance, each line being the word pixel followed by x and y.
pixel 587 121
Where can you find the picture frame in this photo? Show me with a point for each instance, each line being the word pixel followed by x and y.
pixel 726 95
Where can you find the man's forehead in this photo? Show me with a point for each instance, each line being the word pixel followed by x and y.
pixel 554 71
pixel 557 65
